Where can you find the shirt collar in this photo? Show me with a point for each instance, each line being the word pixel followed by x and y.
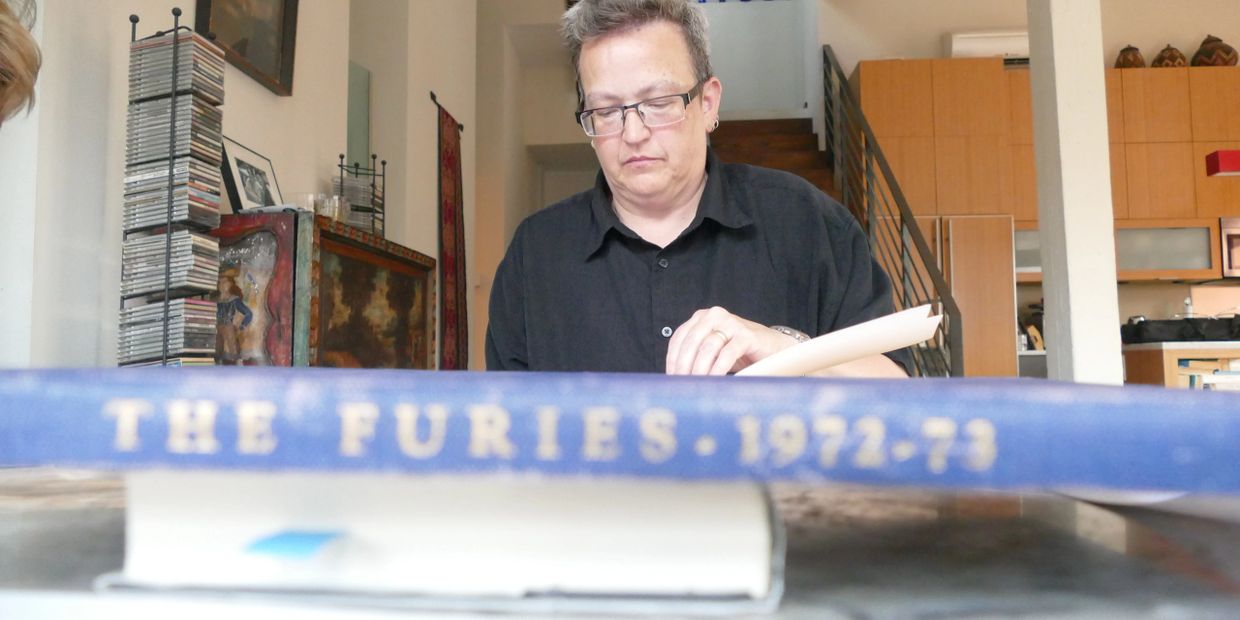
pixel 717 204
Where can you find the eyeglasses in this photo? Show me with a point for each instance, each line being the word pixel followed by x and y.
pixel 656 112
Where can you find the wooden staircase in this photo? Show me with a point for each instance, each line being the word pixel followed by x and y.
pixel 783 144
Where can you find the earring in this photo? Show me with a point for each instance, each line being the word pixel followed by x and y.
pixel 716 125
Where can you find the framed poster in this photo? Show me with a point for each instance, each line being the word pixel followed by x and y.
pixel 249 178
pixel 259 37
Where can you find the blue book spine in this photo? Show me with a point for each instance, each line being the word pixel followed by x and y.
pixel 963 433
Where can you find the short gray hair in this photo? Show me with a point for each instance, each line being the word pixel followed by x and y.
pixel 590 19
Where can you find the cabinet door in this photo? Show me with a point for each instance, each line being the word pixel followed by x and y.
pixel 1217 196
pixel 1020 107
pixel 1214 93
pixel 1115 105
pixel 969 173
pixel 912 162
pixel 1178 249
pixel 896 97
pixel 1020 189
pixel 970 97
pixel 1020 124
pixel 1119 181
pixel 1160 180
pixel 1156 107
pixel 981 272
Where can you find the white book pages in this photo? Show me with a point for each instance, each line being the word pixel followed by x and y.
pixel 503 536
pixel 888 333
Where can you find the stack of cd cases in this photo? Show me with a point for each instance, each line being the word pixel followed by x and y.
pixel 173 150
pixel 191 333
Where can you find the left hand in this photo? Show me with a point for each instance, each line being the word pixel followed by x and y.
pixel 714 342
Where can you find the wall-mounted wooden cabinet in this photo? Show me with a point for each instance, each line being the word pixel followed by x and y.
pixel 1160 180
pixel 913 162
pixel 1173 249
pixel 1115 105
pixel 1214 95
pixel 970 97
pixel 968 174
pixel 1161 124
pixel 1145 250
pixel 1020 107
pixel 1156 105
pixel 1020 190
pixel 898 97
pixel 1119 180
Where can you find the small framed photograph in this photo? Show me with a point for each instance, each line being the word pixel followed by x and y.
pixel 259 37
pixel 249 178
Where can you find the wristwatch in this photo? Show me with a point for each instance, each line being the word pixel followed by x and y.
pixel 796 334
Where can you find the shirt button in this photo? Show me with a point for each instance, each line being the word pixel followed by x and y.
pixel 667 332
pixel 663 263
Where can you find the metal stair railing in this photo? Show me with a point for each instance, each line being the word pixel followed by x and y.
pixel 870 191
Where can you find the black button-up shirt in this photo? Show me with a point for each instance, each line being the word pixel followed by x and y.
pixel 579 290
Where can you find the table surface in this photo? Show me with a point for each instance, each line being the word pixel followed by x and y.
pixel 854 552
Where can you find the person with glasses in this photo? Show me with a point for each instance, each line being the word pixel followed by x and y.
pixel 674 262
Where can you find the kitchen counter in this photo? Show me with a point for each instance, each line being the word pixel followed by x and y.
pixel 1229 346
pixel 1158 363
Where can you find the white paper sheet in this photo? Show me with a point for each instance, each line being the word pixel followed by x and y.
pixel 888 333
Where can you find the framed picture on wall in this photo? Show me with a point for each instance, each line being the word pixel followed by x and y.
pixel 258 36
pixel 249 178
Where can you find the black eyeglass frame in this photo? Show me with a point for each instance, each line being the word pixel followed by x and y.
pixel 686 97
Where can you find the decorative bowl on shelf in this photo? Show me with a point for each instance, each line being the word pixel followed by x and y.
pixel 1129 58
pixel 1169 57
pixel 1215 53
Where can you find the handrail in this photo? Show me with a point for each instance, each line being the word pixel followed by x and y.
pixel 870 190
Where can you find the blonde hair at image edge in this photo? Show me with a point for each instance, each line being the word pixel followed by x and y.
pixel 19 63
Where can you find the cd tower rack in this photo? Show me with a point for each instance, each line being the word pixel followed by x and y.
pixel 169 262
pixel 352 186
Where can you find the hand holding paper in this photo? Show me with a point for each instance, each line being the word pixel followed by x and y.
pixel 880 335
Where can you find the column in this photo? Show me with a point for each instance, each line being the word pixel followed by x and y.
pixel 1074 191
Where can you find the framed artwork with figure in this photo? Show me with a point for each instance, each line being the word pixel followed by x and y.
pixel 259 37
pixel 256 321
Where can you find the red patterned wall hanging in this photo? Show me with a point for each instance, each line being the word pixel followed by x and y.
pixel 453 318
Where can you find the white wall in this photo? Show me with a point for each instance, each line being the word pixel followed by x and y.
pixel 443 48
pixel 758 52
pixel 379 41
pixel 508 180
pixel 1152 24
pixel 548 101
pixel 872 29
pixel 560 184
pixel 304 134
